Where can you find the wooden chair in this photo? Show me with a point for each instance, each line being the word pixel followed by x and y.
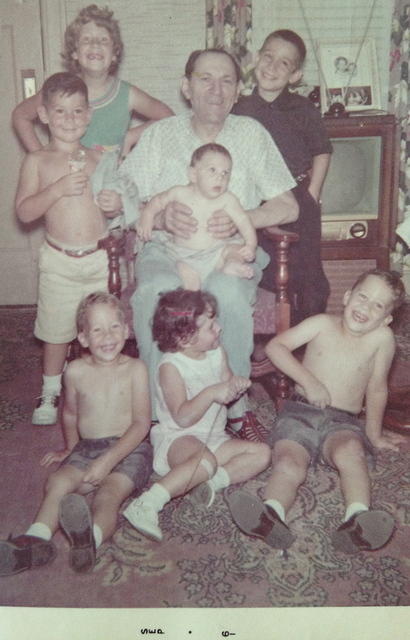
pixel 272 311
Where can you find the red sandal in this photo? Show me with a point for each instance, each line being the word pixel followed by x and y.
pixel 249 428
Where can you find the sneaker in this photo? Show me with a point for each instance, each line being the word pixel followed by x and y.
pixel 364 531
pixel 255 518
pixel 76 522
pixel 47 409
pixel 144 519
pixel 247 427
pixel 202 495
pixel 25 552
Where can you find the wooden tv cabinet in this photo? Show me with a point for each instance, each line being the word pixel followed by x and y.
pixel 344 259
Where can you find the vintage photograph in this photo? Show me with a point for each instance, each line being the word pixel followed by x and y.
pixel 349 74
pixel 204 361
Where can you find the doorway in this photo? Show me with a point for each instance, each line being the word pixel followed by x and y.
pixel 20 56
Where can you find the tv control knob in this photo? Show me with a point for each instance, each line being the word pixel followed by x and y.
pixel 358 230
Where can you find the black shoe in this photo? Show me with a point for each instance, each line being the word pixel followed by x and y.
pixel 25 552
pixel 255 518
pixel 364 531
pixel 76 522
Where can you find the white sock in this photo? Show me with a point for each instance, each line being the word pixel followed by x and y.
pixel 97 533
pixel 156 496
pixel 354 507
pixel 220 479
pixel 51 384
pixel 39 530
pixel 278 507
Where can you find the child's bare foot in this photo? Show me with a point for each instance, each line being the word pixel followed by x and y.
pixel 242 270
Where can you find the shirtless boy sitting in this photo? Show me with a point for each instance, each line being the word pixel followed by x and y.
pixel 54 185
pixel 197 256
pixel 347 360
pixel 106 419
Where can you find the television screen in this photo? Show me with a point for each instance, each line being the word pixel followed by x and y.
pixel 351 188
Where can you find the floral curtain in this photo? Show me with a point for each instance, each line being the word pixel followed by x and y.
pixel 229 25
pixel 399 98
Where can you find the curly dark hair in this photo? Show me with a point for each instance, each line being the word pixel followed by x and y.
pixel 176 314
pixel 102 17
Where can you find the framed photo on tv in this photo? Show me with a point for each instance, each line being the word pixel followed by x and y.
pixel 349 74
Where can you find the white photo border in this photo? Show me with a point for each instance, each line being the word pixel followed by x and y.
pixel 348 71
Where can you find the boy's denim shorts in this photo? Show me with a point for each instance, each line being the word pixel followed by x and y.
pixel 137 465
pixel 310 426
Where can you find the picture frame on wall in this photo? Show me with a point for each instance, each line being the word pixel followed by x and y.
pixel 349 74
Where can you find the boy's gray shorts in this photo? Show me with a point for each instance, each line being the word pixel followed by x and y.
pixel 137 465
pixel 309 426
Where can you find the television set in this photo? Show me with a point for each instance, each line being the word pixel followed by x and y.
pixel 359 197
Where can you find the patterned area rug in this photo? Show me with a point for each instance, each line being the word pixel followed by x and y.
pixel 204 560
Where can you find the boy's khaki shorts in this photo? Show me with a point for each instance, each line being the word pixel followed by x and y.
pixel 63 282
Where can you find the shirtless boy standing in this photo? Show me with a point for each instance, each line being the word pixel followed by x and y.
pixel 200 254
pixel 106 419
pixel 54 185
pixel 347 361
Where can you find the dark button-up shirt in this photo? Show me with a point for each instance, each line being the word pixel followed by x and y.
pixel 294 123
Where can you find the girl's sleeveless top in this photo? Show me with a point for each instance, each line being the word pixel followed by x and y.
pixel 110 119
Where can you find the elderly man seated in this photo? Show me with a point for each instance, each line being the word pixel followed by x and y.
pixel 259 174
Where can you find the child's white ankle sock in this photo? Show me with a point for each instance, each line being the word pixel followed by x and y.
pixel 220 479
pixel 97 533
pixel 51 384
pixel 156 496
pixel 354 507
pixel 39 530
pixel 276 506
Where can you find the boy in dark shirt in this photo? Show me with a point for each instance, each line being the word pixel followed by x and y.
pixel 297 128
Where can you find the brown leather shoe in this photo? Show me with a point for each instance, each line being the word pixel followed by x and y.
pixel 257 519
pixel 25 552
pixel 76 521
pixel 364 531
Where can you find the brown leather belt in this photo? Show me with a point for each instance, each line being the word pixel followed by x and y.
pixel 73 253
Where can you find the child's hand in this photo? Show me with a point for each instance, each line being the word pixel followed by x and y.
pixel 144 230
pixel 73 184
pixel 231 390
pixel 97 471
pixel 388 440
pixel 317 394
pixel 54 456
pixel 247 252
pixel 109 200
